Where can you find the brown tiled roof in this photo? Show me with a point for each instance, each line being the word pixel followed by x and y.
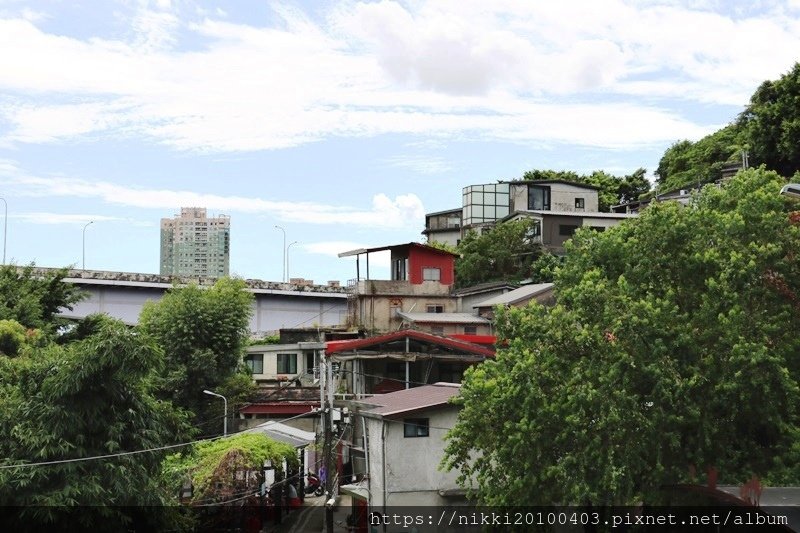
pixel 409 400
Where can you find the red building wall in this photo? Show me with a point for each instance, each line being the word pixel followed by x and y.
pixel 419 258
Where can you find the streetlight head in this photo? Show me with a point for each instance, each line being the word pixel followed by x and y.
pixel 206 391
pixel 792 190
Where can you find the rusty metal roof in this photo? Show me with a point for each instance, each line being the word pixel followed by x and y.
pixel 408 400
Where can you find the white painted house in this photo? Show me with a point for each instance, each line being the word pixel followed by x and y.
pixel 404 434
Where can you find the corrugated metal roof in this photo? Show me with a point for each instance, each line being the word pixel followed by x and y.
pixel 485 287
pixel 511 297
pixel 283 433
pixel 409 400
pixel 360 251
pixel 443 318
pixel 338 347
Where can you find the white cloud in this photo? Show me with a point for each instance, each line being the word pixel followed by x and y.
pixel 530 72
pixel 71 218
pixel 404 211
pixel 420 164
pixel 334 248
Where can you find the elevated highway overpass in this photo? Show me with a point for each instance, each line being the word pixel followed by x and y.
pixel 276 305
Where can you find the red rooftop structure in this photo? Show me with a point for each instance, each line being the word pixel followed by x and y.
pixel 420 280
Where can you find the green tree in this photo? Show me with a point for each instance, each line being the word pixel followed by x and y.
pixel 211 466
pixel 687 163
pixel 543 270
pixel 12 337
pixel 34 299
pixel 84 399
pixel 502 253
pixel 673 344
pixel 203 333
pixel 771 123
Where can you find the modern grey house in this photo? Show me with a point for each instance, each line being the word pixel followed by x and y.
pixel 559 207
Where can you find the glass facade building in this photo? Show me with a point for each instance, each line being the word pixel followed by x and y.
pixel 485 203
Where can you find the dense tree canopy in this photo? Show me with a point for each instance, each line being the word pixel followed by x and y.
pixel 203 333
pixel 768 130
pixel 771 124
pixel 34 299
pixel 613 189
pixel 688 163
pixel 502 253
pixel 83 399
pixel 673 344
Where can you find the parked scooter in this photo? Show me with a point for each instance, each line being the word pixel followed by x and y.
pixel 314 485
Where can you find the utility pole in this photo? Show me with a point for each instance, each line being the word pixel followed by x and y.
pixel 326 377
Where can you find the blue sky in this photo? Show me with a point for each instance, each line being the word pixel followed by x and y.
pixel 342 122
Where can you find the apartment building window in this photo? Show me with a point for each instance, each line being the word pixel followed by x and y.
pixel 432 308
pixel 567 230
pixel 287 363
pixel 580 203
pixel 416 427
pixel 538 197
pixel 470 330
pixel 255 363
pixel 431 274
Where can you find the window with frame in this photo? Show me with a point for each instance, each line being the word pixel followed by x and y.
pixel 470 330
pixel 451 372
pixel 431 274
pixel 416 427
pixel 538 198
pixel 432 308
pixel 311 362
pixel 255 362
pixel 287 363
pixel 437 330
pixel 567 230
pixel 580 203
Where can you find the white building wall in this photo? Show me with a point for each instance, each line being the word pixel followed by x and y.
pixel 412 472
pixel 562 197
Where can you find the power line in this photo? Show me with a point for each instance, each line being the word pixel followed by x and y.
pixel 106 456
pixel 134 452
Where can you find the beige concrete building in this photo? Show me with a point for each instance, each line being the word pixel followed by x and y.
pixel 422 278
pixel 194 245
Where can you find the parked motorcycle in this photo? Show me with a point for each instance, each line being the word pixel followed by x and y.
pixel 313 485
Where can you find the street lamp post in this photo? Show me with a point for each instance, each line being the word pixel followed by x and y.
pixel 284 251
pixel 287 260
pixel 84 243
pixel 225 419
pixel 5 228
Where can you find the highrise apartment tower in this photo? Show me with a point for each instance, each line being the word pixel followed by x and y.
pixel 194 245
